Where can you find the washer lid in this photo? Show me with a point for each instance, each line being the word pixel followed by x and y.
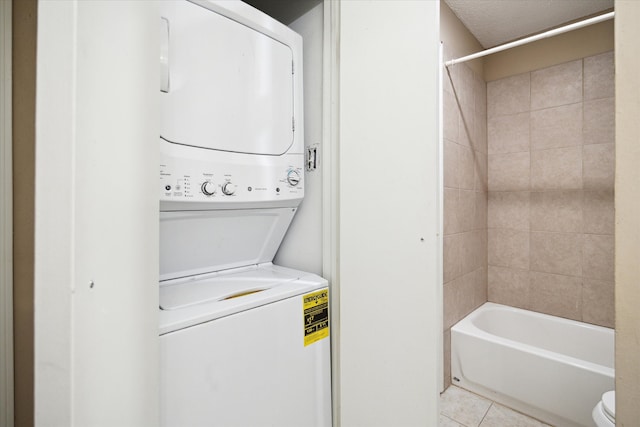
pixel 609 404
pixel 187 302
pixel 221 287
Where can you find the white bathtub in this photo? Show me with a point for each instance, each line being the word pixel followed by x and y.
pixel 550 368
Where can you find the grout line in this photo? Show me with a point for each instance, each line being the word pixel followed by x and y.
pixel 582 180
pixel 558 106
pixel 455 421
pixel 488 409
pixel 485 414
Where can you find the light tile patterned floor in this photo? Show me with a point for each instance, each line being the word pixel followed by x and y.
pixel 460 408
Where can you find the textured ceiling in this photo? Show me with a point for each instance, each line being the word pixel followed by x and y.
pixel 494 22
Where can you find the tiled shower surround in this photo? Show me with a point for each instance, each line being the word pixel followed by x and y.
pixel 465 197
pixel 551 170
pixel 528 197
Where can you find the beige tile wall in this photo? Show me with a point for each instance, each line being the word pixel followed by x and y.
pixel 465 198
pixel 550 201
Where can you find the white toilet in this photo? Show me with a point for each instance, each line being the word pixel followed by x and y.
pixel 604 413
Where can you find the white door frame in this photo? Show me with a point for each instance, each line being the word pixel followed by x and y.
pixel 6 221
pixel 330 207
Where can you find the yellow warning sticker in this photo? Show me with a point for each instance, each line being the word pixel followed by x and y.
pixel 315 312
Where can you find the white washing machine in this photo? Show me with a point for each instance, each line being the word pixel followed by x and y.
pixel 243 342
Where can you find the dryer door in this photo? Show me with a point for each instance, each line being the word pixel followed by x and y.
pixel 230 87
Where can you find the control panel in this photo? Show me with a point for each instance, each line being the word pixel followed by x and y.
pixel 191 180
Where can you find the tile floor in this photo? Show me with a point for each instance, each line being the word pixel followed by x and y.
pixel 460 408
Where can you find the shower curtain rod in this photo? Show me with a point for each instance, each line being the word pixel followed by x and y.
pixel 550 33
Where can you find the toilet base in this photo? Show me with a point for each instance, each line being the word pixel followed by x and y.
pixel 600 418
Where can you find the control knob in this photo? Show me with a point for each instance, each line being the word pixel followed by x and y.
pixel 208 188
pixel 293 178
pixel 229 188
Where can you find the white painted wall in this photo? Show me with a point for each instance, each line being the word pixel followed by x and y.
pixel 96 214
pixel 390 301
pixel 627 249
pixel 302 246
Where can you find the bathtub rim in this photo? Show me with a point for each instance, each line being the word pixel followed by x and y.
pixel 467 327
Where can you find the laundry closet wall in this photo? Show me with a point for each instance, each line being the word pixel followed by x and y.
pixel 388 213
pixel 302 245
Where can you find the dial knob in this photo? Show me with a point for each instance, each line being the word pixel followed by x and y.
pixel 293 178
pixel 208 188
pixel 228 188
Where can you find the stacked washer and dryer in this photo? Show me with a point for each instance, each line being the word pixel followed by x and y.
pixel 243 342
